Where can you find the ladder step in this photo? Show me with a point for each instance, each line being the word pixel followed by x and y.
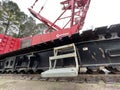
pixel 62 56
pixel 63 47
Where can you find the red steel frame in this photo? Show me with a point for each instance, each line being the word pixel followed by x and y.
pixel 75 21
pixel 78 9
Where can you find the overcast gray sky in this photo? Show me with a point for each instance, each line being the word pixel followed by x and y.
pixel 101 12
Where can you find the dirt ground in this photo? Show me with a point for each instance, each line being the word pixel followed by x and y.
pixel 10 84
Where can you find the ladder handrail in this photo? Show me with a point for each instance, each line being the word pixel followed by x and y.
pixel 68 55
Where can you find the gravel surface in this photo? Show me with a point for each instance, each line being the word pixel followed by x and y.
pixel 10 84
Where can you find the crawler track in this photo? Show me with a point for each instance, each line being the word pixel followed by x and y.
pixel 83 78
pixel 96 53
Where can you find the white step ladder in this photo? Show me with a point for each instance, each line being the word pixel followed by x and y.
pixel 62 72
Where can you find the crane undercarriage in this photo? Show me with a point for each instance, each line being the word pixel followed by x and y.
pixel 92 51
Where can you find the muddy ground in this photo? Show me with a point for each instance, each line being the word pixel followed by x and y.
pixel 12 84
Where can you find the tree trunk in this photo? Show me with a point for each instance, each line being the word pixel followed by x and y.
pixel 7 26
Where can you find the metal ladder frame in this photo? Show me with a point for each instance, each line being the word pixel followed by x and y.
pixel 57 57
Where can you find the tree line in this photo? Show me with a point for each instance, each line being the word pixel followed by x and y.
pixel 16 23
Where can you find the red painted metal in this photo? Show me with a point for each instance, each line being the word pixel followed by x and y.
pixel 37 39
pixel 8 44
pixel 44 20
pixel 75 23
pixel 78 10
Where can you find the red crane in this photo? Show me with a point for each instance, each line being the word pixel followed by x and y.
pixel 75 21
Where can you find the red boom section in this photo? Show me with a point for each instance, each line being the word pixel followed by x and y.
pixel 78 9
pixel 44 20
